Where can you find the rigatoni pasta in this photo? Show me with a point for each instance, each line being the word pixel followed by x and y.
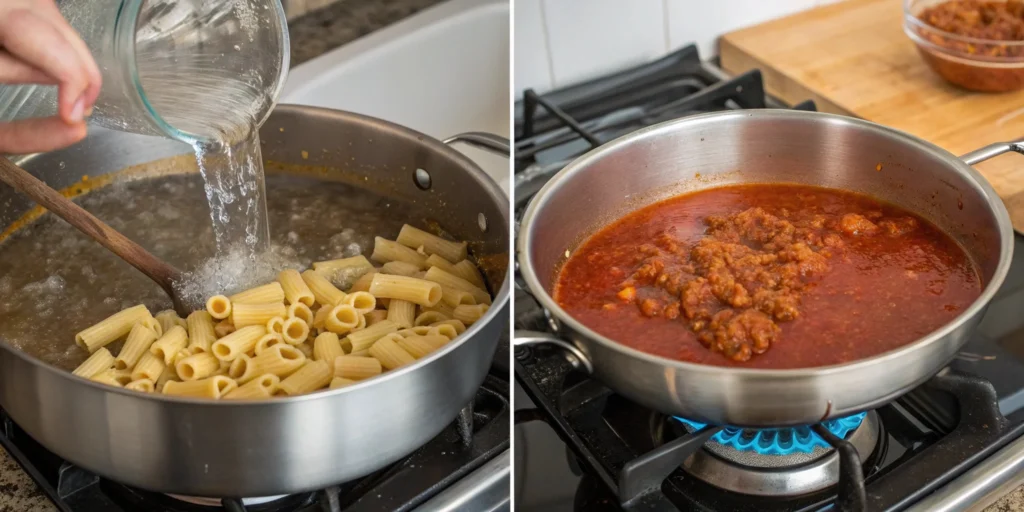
pixel 100 360
pixel 419 291
pixel 413 237
pixel 270 292
pixel 385 250
pixel 300 333
pixel 111 328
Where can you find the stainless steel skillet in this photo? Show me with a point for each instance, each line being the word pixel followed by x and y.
pixel 762 146
pixel 217 449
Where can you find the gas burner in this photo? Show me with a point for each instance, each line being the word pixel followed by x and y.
pixel 217 502
pixel 778 462
pixel 779 441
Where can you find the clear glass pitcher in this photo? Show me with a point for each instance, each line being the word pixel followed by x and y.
pixel 191 70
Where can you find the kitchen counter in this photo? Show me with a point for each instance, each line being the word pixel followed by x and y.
pixel 312 34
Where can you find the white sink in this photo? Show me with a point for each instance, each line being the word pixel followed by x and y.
pixel 442 71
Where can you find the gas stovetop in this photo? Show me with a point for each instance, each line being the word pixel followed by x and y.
pixel 633 458
pixel 459 468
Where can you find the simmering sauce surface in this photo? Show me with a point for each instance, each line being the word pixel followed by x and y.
pixel 767 276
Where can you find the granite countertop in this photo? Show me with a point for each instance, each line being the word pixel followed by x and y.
pixel 312 34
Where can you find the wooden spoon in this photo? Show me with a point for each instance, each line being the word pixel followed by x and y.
pixel 158 270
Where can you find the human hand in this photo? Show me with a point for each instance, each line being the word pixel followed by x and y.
pixel 37 46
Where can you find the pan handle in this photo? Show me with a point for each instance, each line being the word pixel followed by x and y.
pixel 494 143
pixel 573 354
pixel 991 151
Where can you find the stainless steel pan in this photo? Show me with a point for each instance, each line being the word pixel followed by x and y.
pixel 221 449
pixel 762 146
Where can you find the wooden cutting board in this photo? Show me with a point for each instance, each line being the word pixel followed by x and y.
pixel 853 58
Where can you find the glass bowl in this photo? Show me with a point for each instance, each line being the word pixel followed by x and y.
pixel 985 65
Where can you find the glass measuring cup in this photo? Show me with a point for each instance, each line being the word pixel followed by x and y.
pixel 192 70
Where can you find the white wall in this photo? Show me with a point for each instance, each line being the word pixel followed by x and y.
pixel 561 42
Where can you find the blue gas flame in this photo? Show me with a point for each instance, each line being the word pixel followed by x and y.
pixel 780 441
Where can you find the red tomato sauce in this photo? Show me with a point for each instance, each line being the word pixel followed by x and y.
pixel 767 276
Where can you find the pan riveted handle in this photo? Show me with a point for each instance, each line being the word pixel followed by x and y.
pixel 991 151
pixel 494 143
pixel 573 354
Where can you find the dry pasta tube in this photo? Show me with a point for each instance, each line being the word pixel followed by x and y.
pixel 223 328
pixel 201 332
pixel 362 301
pixel 385 250
pixel 440 307
pixel 270 292
pixel 263 386
pixel 389 354
pixel 360 353
pixel 341 319
pixel 470 314
pixel 451 281
pixel 436 261
pixel 212 387
pixel 268 340
pixel 280 360
pixel 431 244
pixel 320 317
pixel 312 376
pixel 363 283
pixel 355 262
pixel 168 374
pixel 428 317
pixel 99 361
pixel 138 342
pixel 356 367
pixel 468 271
pixel 446 330
pixel 197 366
pixel 363 339
pixel 302 312
pixel 219 307
pixel 174 339
pixel 295 331
pixel 111 328
pixel 375 316
pixel 455 298
pixel 327 347
pixel 239 342
pixel 458 325
pixel 141 385
pixel 167 319
pixel 295 289
pixel 416 346
pixel 275 325
pixel 400 268
pixel 419 330
pixel 111 377
pixel 149 367
pixel 339 382
pixel 419 291
pixel 244 315
pixel 402 312
pixel 243 369
pixel 323 290
pixel 306 349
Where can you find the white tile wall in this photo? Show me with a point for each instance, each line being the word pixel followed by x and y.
pixel 561 42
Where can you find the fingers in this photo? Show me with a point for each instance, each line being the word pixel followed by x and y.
pixel 84 55
pixel 35 40
pixel 14 71
pixel 39 134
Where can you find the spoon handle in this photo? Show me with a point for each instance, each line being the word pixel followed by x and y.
pixel 163 273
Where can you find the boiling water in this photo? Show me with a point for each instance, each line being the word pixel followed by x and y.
pixel 54 281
